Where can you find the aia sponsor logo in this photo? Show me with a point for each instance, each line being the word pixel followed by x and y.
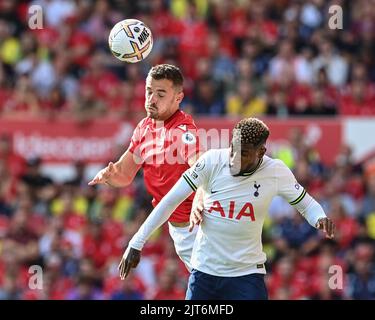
pixel 246 212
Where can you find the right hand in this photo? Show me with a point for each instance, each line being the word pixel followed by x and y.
pixel 103 176
pixel 196 216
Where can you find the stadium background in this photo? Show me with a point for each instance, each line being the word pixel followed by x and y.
pixel 68 106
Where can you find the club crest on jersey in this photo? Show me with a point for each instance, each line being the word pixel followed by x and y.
pixel 188 138
pixel 256 186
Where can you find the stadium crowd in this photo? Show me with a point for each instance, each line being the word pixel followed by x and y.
pixel 240 58
pixel 247 58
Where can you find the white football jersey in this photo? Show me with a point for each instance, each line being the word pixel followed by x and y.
pixel 228 242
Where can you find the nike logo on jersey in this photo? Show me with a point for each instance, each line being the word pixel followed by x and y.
pixel 214 191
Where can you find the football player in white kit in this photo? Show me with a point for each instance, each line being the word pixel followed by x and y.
pixel 239 184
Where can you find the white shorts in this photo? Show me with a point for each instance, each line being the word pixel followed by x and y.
pixel 183 242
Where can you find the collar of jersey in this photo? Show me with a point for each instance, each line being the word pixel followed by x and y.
pixel 166 122
pixel 249 173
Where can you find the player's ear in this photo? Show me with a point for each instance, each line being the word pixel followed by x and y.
pixel 179 96
pixel 262 151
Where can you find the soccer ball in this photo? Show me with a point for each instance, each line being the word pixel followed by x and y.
pixel 130 40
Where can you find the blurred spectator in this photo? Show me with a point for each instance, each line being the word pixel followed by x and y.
pixel 34 179
pixel 358 99
pixel 244 102
pixel 346 226
pixel 22 238
pixel 7 189
pixel 304 70
pixel 298 234
pixel 277 104
pixel 336 65
pixel 368 205
pixel 362 278
pixel 285 283
pixel 283 63
pixel 15 164
pixel 79 179
pixel 129 290
pixel 168 287
pixel 85 290
pixel 10 289
pixel 320 105
pixel 207 99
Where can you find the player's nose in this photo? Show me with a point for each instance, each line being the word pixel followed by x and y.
pixel 153 100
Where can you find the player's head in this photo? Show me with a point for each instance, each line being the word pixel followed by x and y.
pixel 248 145
pixel 164 91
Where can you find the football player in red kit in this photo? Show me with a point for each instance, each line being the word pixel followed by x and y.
pixel 165 145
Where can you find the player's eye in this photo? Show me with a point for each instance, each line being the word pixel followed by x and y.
pixel 161 95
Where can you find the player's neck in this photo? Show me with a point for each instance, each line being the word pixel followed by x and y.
pixel 166 118
pixel 252 170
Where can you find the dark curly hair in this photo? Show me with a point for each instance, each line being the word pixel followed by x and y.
pixel 251 131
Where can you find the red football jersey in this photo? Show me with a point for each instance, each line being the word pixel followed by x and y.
pixel 164 148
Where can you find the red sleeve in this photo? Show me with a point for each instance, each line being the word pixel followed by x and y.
pixel 135 139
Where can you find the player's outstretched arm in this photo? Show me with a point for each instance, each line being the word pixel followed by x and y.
pixel 119 174
pixel 297 196
pixel 315 215
pixel 130 259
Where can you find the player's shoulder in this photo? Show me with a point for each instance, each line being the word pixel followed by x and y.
pixel 216 156
pixel 211 159
pixel 276 165
pixel 183 121
pixel 215 152
pixel 271 162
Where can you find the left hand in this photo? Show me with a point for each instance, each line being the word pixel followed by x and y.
pixel 196 215
pixel 327 225
pixel 129 260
